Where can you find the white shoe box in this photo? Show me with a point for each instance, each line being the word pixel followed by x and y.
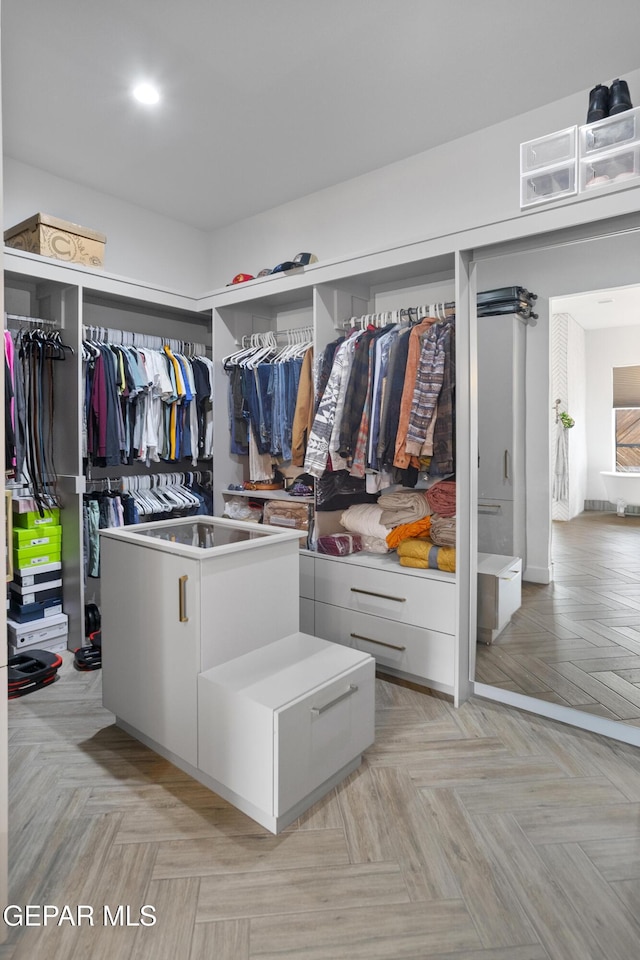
pixel 54 645
pixel 35 632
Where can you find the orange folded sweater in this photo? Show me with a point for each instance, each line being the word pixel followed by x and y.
pixel 409 531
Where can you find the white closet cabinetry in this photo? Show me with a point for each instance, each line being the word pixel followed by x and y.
pixel 71 296
pixel 408 620
pixel 501 435
pixel 405 619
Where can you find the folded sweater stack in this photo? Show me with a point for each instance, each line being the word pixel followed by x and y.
pixel 425 555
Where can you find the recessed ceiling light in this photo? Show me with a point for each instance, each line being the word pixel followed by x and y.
pixel 146 93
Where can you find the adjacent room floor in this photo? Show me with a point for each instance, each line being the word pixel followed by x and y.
pixel 482 833
pixel 576 641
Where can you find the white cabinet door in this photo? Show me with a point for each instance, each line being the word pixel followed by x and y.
pixel 501 435
pixel 495 407
pixel 150 636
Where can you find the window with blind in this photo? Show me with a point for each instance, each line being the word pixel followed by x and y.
pixel 626 407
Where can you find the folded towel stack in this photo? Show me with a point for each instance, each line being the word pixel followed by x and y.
pixel 442 498
pixel 364 519
pixel 443 530
pixel 404 506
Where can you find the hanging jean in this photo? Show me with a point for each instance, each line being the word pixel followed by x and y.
pixel 93 519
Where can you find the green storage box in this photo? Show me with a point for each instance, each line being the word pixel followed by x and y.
pixel 25 556
pixel 33 519
pixel 35 536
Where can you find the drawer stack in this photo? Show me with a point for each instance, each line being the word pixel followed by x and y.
pixel 609 152
pixel 581 160
pixel 548 168
pixel 405 620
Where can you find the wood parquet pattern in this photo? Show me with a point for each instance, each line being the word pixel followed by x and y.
pixel 482 833
pixel 576 641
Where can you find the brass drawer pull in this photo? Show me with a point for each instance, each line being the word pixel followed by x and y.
pixel 343 696
pixel 182 598
pixel 383 596
pixel 381 643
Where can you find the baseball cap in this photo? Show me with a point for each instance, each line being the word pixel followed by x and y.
pixel 241 278
pixel 285 265
pixel 264 273
pixel 304 259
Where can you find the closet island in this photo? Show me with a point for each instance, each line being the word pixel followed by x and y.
pixel 203 661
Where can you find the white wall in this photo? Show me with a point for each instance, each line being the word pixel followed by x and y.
pixel 465 183
pixel 605 349
pixel 140 245
pixel 462 184
pixel 577 408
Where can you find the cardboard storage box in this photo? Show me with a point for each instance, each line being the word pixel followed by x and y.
pixel 51 237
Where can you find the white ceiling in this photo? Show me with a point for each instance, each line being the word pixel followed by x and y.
pixel 614 307
pixel 265 101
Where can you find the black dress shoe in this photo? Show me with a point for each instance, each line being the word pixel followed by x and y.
pixel 619 98
pixel 598 103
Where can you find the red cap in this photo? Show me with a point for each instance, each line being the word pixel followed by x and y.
pixel 241 277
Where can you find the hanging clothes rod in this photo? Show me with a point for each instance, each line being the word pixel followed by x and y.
pixel 141 481
pixel 441 311
pixel 129 338
pixel 40 321
pixel 293 334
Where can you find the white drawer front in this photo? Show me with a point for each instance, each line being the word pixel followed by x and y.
pixel 417 600
pixel 422 653
pixel 307 616
pixel 509 593
pixel 306 577
pixel 320 733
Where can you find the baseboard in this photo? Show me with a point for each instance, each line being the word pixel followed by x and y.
pixel 538 574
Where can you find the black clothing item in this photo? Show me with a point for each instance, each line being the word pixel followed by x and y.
pixel 113 457
pixel 324 369
pixel 390 413
pixel 9 436
pixel 355 396
pixel 203 402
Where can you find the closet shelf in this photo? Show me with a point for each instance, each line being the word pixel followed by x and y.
pixel 266 495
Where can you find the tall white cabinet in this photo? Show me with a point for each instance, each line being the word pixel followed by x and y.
pixel 501 435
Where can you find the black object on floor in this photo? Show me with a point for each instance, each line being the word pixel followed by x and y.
pixel 32 671
pixel 90 657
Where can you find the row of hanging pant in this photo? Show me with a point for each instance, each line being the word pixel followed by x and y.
pixel 110 509
pixel 145 405
pixel 385 404
pixel 32 358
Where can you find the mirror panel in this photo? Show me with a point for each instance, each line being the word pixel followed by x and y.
pixel 574 642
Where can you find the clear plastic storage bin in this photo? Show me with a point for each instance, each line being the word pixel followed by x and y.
pixel 621 130
pixel 549 183
pixel 548 151
pixel 611 170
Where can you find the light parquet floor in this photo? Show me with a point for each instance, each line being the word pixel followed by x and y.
pixel 482 833
pixel 576 641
